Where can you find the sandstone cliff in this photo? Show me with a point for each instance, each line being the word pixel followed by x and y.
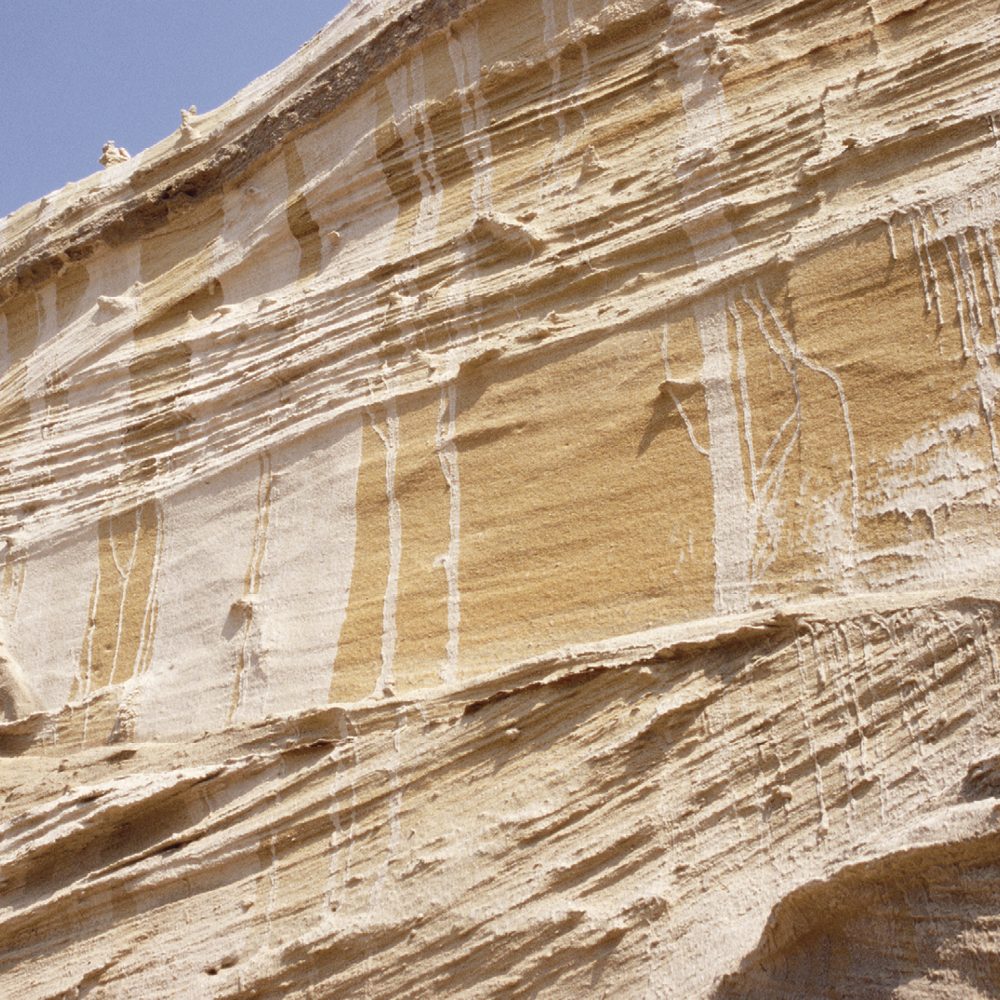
pixel 509 506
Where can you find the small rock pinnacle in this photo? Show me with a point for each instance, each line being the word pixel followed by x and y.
pixel 188 116
pixel 113 153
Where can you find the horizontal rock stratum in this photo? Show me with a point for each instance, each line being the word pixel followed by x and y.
pixel 509 506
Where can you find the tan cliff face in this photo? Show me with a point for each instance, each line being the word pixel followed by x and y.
pixel 510 506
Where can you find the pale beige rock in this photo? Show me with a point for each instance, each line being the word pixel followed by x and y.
pixel 508 506
pixel 112 153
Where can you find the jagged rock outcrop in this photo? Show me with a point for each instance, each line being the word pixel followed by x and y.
pixel 510 506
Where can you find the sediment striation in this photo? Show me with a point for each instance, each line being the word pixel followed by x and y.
pixel 509 505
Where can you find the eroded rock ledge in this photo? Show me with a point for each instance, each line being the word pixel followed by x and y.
pixel 508 506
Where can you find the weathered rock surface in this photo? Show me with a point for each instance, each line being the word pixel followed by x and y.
pixel 510 506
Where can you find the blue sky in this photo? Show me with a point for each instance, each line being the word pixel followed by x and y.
pixel 75 73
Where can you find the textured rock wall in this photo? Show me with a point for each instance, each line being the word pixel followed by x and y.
pixel 508 506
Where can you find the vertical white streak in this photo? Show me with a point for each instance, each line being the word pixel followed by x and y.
pixel 344 761
pixel 377 901
pixel 333 883
pixel 706 123
pixel 959 298
pixel 921 267
pixel 147 633
pixel 340 852
pixel 448 457
pixel 741 372
pixel 969 282
pixel 733 522
pixel 87 672
pixel 390 439
pixel 892 240
pixel 992 288
pixel 994 267
pixel 986 380
pixel 934 281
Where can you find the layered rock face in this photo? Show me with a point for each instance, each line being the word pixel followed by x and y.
pixel 509 506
